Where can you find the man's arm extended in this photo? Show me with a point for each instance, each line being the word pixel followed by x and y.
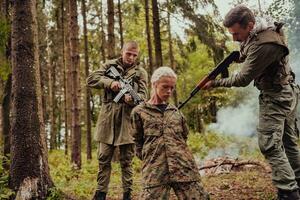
pixel 256 62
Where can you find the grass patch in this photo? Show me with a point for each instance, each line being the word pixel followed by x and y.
pixel 5 192
pixel 81 184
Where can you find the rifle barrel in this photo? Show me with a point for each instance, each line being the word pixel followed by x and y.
pixel 233 56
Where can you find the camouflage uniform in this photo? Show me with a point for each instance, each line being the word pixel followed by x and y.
pixel 113 125
pixel 265 61
pixel 160 139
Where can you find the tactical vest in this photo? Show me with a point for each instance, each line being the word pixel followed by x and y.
pixel 278 73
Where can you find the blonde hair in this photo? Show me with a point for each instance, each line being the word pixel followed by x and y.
pixel 162 71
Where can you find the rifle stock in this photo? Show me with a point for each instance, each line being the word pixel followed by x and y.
pixel 222 66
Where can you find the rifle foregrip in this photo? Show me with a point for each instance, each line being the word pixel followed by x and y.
pixel 203 82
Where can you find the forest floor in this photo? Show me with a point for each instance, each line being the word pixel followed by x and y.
pixel 247 184
pixel 229 182
pixel 254 184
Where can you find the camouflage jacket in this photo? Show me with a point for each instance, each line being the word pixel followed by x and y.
pixel 264 55
pixel 113 125
pixel 160 139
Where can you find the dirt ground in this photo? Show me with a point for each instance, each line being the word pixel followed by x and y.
pixel 249 184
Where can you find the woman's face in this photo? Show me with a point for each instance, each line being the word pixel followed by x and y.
pixel 164 87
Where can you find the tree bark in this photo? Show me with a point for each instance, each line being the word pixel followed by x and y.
pixel 52 101
pixel 29 171
pixel 4 5
pixel 120 23
pixel 103 41
pixel 110 29
pixel 68 78
pixel 6 121
pixel 87 91
pixel 156 31
pixel 74 44
pixel 66 116
pixel 43 67
pixel 99 11
pixel 171 54
pixel 6 101
pixel 149 44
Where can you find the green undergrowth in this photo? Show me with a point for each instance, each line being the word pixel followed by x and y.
pixel 5 192
pixel 81 184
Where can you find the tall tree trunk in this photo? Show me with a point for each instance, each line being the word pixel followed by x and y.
pixel 102 32
pixel 59 78
pixel 4 5
pixel 103 41
pixel 120 23
pixel 6 122
pixel 52 102
pixel 1 130
pixel 59 123
pixel 43 67
pixel 156 31
pixel 87 91
pixel 74 44
pixel 68 78
pixel 110 29
pixel 29 171
pixel 171 55
pixel 6 101
pixel 148 32
pixel 212 108
pixel 66 116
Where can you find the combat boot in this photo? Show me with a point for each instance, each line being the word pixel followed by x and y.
pixel 288 195
pixel 99 195
pixel 127 195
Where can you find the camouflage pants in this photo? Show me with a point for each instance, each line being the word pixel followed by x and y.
pixel 105 154
pixel 183 191
pixel 278 135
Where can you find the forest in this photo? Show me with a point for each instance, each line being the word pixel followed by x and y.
pixel 48 114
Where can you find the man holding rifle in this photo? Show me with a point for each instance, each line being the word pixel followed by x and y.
pixel 114 125
pixel 264 56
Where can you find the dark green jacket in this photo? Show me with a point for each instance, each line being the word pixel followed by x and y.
pixel 264 54
pixel 113 125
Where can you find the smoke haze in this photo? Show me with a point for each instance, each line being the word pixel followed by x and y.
pixel 239 120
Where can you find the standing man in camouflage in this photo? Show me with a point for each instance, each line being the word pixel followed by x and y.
pixel 160 133
pixel 114 126
pixel 264 56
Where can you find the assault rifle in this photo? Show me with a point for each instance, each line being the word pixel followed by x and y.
pixel 220 68
pixel 125 86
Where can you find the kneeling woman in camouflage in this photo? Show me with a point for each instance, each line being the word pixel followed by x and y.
pixel 160 133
